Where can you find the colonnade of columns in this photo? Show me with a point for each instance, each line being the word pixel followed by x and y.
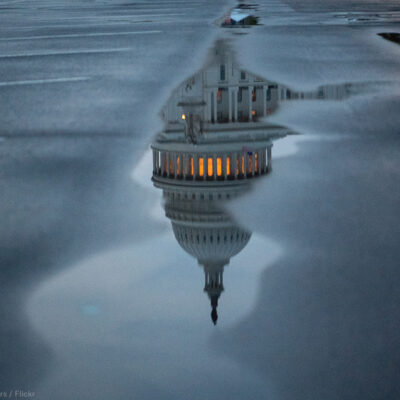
pixel 199 166
pixel 233 103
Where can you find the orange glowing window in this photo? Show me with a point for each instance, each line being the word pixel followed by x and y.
pixel 191 166
pixel 210 166
pixel 219 166
pixel 171 167
pixel 228 165
pixel 201 166
pixel 253 113
pixel 178 165
pixel 250 163
pixel 237 165
pixel 256 161
pixel 243 165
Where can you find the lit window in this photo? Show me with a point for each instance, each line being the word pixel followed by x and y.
pixel 228 165
pixel 256 161
pixel 201 166
pixel 178 165
pixel 210 166
pixel 183 116
pixel 242 165
pixel 250 164
pixel 191 166
pixel 219 166
pixel 253 113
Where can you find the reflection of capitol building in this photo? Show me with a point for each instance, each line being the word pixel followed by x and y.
pixel 214 143
pixel 208 234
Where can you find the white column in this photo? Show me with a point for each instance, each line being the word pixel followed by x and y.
pixel 269 159
pixel 187 164
pixel 263 161
pixel 154 162
pixel 209 106
pixel 259 162
pixel 183 165
pixel 223 160
pixel 235 102
pixel 264 102
pixel 215 166
pixel 235 161
pixel 215 105
pixel 174 155
pixel 250 102
pixel 246 157
pixel 162 162
pixel 195 166
pixel 230 103
pixel 167 161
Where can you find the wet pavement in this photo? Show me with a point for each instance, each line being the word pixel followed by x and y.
pixel 158 170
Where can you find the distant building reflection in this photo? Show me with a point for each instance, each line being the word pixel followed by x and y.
pixel 216 140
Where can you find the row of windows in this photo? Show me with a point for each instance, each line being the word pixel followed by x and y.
pixel 209 238
pixel 199 196
pixel 243 75
pixel 253 94
pixel 210 168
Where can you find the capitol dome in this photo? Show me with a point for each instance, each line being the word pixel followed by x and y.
pixel 211 244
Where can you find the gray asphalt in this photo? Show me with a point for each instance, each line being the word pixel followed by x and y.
pixel 90 68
